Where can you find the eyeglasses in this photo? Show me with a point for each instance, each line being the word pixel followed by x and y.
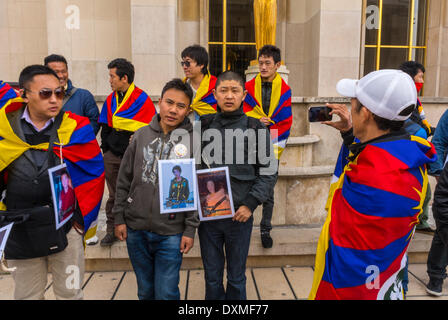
pixel 47 93
pixel 185 63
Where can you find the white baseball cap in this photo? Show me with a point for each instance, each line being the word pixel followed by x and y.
pixel 386 93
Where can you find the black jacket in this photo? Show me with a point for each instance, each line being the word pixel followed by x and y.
pixel 28 194
pixel 440 206
pixel 252 169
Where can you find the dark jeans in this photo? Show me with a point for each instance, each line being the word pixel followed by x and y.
pixel 437 258
pixel 235 238
pixel 156 260
pixel 268 208
pixel 111 168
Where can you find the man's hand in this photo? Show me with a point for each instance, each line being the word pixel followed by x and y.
pixel 186 244
pixel 121 232
pixel 266 121
pixel 345 123
pixel 242 214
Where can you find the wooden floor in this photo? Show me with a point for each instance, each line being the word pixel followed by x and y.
pixel 287 283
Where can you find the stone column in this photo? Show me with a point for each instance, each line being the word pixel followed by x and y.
pixel 436 75
pixel 340 43
pixel 154 35
pixel 89 34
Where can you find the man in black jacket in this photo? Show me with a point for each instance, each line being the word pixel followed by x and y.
pixel 252 166
pixel 437 258
pixel 35 246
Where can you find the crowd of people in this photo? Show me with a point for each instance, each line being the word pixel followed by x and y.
pixel 379 199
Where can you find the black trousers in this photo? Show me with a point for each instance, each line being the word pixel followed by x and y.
pixel 437 258
pixel 268 208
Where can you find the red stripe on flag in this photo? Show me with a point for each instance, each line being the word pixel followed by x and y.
pixel 377 168
pixel 91 192
pixel 351 229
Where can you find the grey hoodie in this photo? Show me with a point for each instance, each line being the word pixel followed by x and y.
pixel 137 196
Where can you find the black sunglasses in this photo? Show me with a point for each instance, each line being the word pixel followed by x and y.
pixel 185 63
pixel 47 93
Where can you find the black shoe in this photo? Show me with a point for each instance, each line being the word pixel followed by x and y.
pixel 427 230
pixel 266 240
pixel 108 240
pixel 434 287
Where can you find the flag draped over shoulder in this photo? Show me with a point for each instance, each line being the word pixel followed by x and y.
pixel 204 102
pixel 6 93
pixel 280 111
pixel 372 213
pixel 135 111
pixel 79 150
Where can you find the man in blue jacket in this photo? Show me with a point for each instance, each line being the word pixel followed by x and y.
pixel 77 100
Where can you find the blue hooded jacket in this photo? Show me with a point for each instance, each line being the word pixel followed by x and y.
pixel 81 102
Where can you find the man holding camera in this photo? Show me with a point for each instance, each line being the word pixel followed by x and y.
pixel 374 207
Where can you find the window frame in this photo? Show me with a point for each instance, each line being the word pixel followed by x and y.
pixel 378 46
pixel 224 43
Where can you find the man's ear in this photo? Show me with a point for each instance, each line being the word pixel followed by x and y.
pixel 22 93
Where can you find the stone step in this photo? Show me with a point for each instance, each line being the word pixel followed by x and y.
pixel 293 246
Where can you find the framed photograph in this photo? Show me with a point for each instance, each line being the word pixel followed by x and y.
pixel 63 193
pixel 215 194
pixel 4 234
pixel 177 185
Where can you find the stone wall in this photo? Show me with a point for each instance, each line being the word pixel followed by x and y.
pixel 23 36
pixel 436 75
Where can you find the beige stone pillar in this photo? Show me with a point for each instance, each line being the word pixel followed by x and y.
pixel 154 35
pixel 340 43
pixel 89 34
pixel 436 75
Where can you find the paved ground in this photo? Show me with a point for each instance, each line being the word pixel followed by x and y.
pixel 286 283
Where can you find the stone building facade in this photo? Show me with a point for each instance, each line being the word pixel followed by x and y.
pixel 322 41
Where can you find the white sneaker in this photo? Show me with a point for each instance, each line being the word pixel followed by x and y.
pixel 92 241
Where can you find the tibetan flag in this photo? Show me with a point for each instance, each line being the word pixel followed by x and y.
pixel 135 111
pixel 6 93
pixel 373 210
pixel 77 147
pixel 204 102
pixel 280 111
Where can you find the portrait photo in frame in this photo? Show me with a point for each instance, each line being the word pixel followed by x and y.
pixel 215 194
pixel 63 194
pixel 177 185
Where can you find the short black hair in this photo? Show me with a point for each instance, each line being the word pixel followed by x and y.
pixel 198 54
pixel 386 124
pixel 412 68
pixel 178 168
pixel 271 51
pixel 54 58
pixel 124 67
pixel 229 76
pixel 178 84
pixel 28 73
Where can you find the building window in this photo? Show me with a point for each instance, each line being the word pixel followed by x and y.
pixel 231 35
pixel 395 31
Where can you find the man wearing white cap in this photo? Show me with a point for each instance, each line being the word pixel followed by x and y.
pixel 374 206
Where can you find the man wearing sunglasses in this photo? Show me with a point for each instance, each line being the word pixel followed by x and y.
pixel 37 136
pixel 194 64
pixel 76 100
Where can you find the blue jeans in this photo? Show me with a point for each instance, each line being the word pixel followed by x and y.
pixel 156 260
pixel 235 237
